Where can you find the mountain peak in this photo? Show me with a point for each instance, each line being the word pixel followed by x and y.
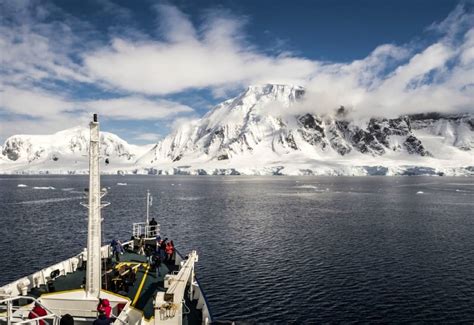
pixel 269 87
pixel 74 129
pixel 276 90
pixel 66 145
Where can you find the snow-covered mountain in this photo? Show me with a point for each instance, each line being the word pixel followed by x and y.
pixel 256 132
pixel 65 152
pixel 262 131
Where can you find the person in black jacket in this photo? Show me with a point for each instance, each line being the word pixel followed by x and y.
pixel 102 319
pixel 153 225
pixel 162 250
pixel 66 320
pixel 157 263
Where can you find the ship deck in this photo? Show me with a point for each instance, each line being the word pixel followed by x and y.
pixel 141 292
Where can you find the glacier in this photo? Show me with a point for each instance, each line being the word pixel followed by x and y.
pixel 260 132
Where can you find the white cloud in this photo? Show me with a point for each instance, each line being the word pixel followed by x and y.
pixel 39 103
pixel 39 49
pixel 214 57
pixel 33 103
pixel 137 108
pixel 395 80
pixel 34 50
pixel 176 27
pixel 38 111
pixel 46 125
pixel 150 137
pixel 391 80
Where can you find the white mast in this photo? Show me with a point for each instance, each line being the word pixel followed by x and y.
pixel 147 207
pixel 94 267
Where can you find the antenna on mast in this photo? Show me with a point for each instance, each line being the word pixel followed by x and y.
pixel 149 201
pixel 95 194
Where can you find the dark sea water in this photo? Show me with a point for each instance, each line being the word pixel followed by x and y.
pixel 276 249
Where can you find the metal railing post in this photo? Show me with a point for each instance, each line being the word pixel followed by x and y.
pixel 9 312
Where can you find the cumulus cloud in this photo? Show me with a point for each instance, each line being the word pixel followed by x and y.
pixel 395 80
pixel 136 108
pixel 32 103
pixel 214 56
pixel 49 57
pixel 391 80
pixel 34 50
pixel 47 108
pixel 149 137
pixel 42 77
pixel 39 103
pixel 20 125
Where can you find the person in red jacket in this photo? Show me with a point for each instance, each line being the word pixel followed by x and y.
pixel 104 306
pixel 37 312
pixel 169 250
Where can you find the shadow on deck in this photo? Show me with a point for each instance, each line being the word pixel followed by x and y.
pixel 140 287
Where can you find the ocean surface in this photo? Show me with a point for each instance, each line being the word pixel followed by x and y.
pixel 275 249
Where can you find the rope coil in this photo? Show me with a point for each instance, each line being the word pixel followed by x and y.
pixel 168 310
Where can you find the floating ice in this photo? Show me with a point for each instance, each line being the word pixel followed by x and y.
pixel 44 188
pixel 307 186
pixel 189 198
pixel 43 201
pixel 122 184
pixel 22 185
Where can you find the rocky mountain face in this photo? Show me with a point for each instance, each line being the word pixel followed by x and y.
pixel 343 137
pixel 455 130
pixel 260 119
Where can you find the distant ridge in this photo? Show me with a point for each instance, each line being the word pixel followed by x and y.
pixel 256 133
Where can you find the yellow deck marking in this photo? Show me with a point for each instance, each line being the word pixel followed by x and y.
pixel 120 264
pixel 140 287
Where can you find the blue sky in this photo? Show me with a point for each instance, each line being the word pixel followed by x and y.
pixel 148 66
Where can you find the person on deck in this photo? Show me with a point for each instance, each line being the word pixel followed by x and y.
pixel 66 320
pixel 149 251
pixel 158 245
pixel 153 225
pixel 169 251
pixel 117 249
pixel 102 319
pixel 163 249
pixel 157 263
pixel 104 307
pixel 37 312
pixel 141 245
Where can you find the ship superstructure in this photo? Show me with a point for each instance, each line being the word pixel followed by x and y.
pixel 139 291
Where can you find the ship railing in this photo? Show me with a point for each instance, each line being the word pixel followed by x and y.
pixel 22 286
pixel 122 318
pixel 144 229
pixel 169 305
pixel 22 313
pixel 197 293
